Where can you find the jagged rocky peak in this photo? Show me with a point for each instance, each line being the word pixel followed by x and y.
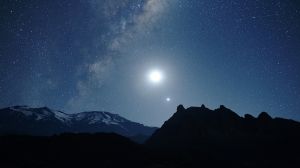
pixel 264 116
pixel 180 108
pixel 222 107
pixel 249 117
pixel 203 106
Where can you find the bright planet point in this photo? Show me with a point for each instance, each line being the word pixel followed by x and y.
pixel 168 99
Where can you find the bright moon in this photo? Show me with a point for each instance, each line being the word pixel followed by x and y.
pixel 155 76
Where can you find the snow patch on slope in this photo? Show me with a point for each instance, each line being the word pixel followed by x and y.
pixel 23 109
pixel 41 113
pixel 62 116
pixel 93 117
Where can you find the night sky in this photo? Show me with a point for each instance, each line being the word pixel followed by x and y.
pixel 82 55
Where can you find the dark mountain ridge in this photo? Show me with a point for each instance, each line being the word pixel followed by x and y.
pixel 221 137
pixel 188 127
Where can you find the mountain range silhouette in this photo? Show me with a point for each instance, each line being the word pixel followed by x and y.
pixel 191 127
pixel 192 137
pixel 43 121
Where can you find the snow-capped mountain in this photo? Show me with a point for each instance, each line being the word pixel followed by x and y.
pixel 45 121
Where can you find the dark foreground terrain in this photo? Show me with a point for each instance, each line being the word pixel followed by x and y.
pixel 192 137
pixel 80 150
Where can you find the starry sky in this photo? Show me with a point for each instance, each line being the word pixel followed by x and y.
pixel 82 55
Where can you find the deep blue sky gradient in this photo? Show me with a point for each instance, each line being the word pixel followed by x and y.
pixel 95 55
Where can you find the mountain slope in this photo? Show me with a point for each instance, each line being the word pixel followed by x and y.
pixel 222 137
pixel 44 121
